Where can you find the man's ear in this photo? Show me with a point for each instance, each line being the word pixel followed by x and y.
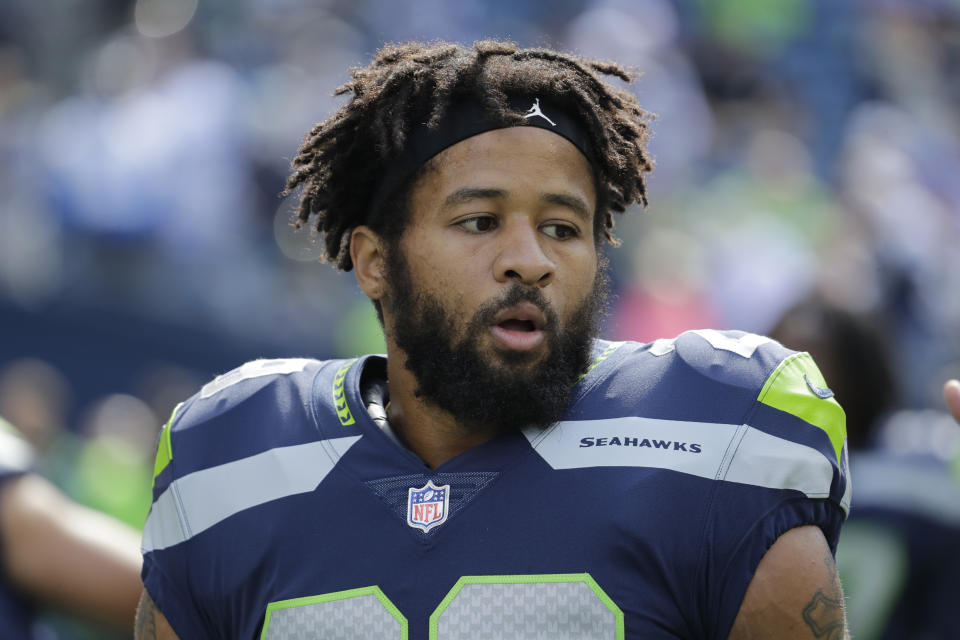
pixel 367 252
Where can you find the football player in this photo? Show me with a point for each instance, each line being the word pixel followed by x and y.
pixel 501 472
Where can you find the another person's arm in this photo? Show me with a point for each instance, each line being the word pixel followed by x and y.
pixel 68 556
pixel 795 593
pixel 951 394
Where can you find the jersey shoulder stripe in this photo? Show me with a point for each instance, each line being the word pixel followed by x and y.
pixel 731 452
pixel 253 369
pixel 195 502
pixel 798 388
pixel 164 447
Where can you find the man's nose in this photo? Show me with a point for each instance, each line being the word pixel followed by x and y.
pixel 521 257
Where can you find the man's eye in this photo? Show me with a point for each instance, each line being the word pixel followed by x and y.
pixel 479 224
pixel 560 231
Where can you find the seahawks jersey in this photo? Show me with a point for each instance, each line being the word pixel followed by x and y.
pixel 284 509
pixel 16 612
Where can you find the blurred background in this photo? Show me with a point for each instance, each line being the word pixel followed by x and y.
pixel 808 153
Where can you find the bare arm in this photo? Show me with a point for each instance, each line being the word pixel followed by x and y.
pixel 795 593
pixel 151 624
pixel 68 556
pixel 951 393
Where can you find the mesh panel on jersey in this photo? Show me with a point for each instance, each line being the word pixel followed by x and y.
pixel 345 619
pixel 464 487
pixel 527 611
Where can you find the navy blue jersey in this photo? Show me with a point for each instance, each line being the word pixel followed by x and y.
pixel 282 509
pixel 16 612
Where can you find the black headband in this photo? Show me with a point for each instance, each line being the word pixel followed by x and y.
pixel 462 120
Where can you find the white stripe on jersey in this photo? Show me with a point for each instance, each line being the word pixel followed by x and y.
pixel 201 499
pixel 744 346
pixel 736 453
pixel 253 369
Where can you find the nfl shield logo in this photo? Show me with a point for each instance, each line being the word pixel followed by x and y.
pixel 427 506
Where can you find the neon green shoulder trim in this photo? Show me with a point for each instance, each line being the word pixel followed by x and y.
pixel 798 387
pixel 164 448
pixel 600 358
pixel 339 395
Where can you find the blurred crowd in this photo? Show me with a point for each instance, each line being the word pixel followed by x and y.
pixel 806 150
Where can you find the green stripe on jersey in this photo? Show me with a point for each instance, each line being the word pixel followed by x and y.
pixel 164 448
pixel 798 387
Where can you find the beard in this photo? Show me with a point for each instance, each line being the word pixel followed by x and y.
pixel 505 390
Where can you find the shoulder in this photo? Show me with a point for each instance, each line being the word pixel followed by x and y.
pixel 763 412
pixel 704 374
pixel 224 449
pixel 255 384
pixel 729 358
pixel 258 406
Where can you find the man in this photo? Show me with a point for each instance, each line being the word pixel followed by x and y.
pixel 56 553
pixel 501 473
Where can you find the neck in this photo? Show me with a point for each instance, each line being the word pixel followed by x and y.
pixel 432 433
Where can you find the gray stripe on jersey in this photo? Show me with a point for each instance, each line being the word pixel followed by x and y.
pixel 345 619
pixel 527 611
pixel 199 500
pixel 738 453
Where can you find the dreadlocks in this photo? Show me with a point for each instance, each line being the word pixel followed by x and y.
pixel 342 159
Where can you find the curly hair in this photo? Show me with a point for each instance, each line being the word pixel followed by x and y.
pixel 342 159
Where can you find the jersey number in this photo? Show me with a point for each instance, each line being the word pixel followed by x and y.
pixel 534 607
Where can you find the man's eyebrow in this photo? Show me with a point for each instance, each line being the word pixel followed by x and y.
pixel 466 194
pixel 578 205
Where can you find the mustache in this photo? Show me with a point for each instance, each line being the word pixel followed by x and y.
pixel 515 294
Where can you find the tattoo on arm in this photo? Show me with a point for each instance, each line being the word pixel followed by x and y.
pixel 146 624
pixel 824 614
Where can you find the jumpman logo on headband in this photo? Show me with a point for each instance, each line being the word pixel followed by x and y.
pixel 535 111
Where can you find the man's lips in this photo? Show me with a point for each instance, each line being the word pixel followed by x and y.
pixel 519 327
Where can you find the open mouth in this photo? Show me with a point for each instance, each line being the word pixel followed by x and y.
pixel 520 328
pixel 518 325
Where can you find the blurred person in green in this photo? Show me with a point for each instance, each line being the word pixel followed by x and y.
pixel 56 554
pixel 113 471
